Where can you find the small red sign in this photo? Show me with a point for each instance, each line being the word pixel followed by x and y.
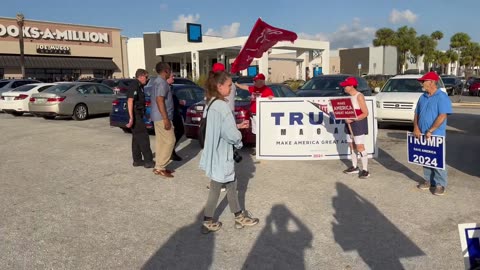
pixel 343 108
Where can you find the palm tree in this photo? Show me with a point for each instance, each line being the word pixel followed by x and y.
pixel 427 47
pixel 406 40
pixel 20 23
pixel 459 42
pixel 384 37
pixel 437 35
pixel 452 55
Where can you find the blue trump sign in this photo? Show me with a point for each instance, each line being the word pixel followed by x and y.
pixel 470 242
pixel 426 152
pixel 194 32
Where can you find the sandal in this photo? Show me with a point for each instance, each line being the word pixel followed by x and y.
pixel 164 173
pixel 211 226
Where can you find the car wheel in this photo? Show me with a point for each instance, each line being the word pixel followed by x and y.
pixel 17 113
pixel 49 117
pixel 80 112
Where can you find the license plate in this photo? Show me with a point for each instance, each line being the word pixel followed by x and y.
pixel 9 98
pixel 40 100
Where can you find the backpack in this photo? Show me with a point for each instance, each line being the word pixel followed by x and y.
pixel 203 126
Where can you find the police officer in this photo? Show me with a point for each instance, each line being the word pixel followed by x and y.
pixel 136 111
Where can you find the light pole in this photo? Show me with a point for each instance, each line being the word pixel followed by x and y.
pixel 20 20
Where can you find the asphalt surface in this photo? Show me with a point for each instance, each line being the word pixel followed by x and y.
pixel 70 199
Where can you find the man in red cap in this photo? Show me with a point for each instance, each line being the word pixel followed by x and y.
pixel 357 126
pixel 217 67
pixel 259 89
pixel 431 119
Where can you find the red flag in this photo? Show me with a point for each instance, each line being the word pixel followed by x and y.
pixel 262 38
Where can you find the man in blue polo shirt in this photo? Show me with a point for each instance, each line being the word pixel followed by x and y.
pixel 431 119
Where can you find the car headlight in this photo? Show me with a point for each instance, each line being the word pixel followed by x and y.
pixel 378 104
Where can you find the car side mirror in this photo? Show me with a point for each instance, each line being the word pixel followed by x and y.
pixel 376 90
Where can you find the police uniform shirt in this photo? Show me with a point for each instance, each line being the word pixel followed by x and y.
pixel 136 92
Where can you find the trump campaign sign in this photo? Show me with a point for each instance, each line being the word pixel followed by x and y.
pixel 426 152
pixel 305 129
pixel 343 108
pixel 470 243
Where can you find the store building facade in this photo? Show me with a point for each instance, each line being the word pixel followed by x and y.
pixel 61 51
pixel 284 61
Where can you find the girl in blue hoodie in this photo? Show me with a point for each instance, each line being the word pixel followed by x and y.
pixel 221 137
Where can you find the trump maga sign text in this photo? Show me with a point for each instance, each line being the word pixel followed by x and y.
pixel 305 128
pixel 426 152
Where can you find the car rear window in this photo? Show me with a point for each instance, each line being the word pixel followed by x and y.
pixel 61 88
pixel 242 95
pixel 2 84
pixel 24 88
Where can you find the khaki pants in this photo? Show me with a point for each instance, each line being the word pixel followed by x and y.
pixel 164 143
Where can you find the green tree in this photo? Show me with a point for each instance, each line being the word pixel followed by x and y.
pixel 384 37
pixel 427 47
pixel 470 56
pixel 405 41
pixel 443 59
pixel 437 35
pixel 459 43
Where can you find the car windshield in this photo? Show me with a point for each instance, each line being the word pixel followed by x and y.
pixel 403 85
pixel 2 84
pixel 449 80
pixel 323 83
pixel 242 95
pixel 24 88
pixel 61 88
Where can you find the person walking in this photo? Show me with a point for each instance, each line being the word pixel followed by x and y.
pixel 431 119
pixel 136 112
pixel 259 89
pixel 162 115
pixel 177 120
pixel 357 128
pixel 217 160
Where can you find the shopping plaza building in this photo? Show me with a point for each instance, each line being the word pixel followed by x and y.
pixel 62 51
pixel 286 60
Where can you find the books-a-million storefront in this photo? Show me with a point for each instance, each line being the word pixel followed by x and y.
pixel 60 51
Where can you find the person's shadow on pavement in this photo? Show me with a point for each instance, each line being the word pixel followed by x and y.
pixel 390 163
pixel 362 228
pixel 188 248
pixel 282 242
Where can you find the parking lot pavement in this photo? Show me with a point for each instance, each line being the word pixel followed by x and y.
pixel 70 199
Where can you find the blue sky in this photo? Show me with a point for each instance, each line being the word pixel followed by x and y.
pixel 345 24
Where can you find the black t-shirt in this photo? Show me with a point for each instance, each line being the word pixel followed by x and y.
pixel 136 92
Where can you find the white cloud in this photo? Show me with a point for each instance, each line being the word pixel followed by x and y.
pixel 347 36
pixel 180 24
pixel 403 16
pixel 227 31
pixel 163 6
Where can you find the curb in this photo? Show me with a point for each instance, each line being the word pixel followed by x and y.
pixel 466 104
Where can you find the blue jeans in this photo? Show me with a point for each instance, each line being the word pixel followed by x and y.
pixel 436 177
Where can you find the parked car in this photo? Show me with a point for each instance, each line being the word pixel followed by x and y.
pixel 7 85
pixel 119 85
pixel 398 99
pixel 95 80
pixel 242 79
pixel 329 86
pixel 474 88
pixel 16 101
pixel 76 99
pixel 187 95
pixel 242 112
pixel 453 85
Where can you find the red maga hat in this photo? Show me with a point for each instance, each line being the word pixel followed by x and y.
pixel 430 76
pixel 218 67
pixel 350 81
pixel 259 76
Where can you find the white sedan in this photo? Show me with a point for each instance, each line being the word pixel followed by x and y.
pixel 397 100
pixel 16 101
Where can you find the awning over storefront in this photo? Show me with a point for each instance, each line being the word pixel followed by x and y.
pixel 58 62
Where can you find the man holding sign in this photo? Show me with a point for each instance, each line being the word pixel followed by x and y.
pixel 356 127
pixel 431 119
